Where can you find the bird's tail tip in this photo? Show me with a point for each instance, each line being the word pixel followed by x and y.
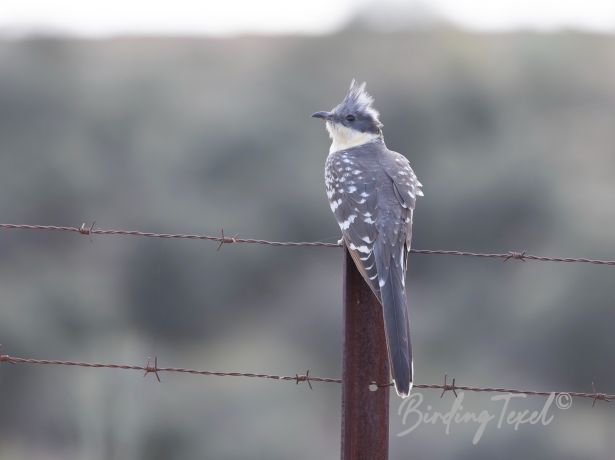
pixel 403 391
pixel 403 380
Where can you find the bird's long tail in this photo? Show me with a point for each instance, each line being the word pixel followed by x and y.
pixel 397 330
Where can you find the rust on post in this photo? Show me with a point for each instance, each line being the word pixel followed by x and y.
pixel 365 413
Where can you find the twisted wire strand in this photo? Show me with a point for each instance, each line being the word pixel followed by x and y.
pixel 222 239
pixel 150 368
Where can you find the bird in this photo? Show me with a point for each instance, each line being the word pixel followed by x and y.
pixel 372 192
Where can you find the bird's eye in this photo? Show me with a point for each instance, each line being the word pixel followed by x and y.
pixel 350 117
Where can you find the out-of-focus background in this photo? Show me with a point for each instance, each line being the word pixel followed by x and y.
pixel 179 117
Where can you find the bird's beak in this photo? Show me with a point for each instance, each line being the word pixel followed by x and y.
pixel 322 115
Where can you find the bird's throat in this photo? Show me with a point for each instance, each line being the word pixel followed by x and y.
pixel 345 138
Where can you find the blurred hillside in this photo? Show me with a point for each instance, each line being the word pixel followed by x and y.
pixel 512 136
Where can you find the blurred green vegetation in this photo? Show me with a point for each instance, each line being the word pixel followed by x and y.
pixel 512 136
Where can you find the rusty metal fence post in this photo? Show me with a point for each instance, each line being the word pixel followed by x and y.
pixel 365 413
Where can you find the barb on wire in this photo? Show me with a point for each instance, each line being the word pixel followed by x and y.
pixel 599 396
pixel 446 387
pixel 515 255
pixel 224 240
pixel 149 369
pixel 304 378
pixel 84 229
pixel 154 369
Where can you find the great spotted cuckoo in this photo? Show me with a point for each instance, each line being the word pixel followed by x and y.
pixel 372 192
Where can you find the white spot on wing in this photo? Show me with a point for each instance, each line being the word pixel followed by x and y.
pixel 346 224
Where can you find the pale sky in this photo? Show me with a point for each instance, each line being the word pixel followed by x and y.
pixel 227 17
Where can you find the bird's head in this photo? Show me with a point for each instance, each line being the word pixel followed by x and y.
pixel 354 117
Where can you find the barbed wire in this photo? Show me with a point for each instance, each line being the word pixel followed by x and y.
pixel 298 378
pixel 152 368
pixel 223 239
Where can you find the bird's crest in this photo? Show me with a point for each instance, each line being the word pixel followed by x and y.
pixel 359 100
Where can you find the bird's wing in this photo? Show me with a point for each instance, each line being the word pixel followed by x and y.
pixel 390 255
pixel 405 185
pixel 396 201
pixel 351 190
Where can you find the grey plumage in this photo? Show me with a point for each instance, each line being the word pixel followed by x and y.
pixel 372 192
